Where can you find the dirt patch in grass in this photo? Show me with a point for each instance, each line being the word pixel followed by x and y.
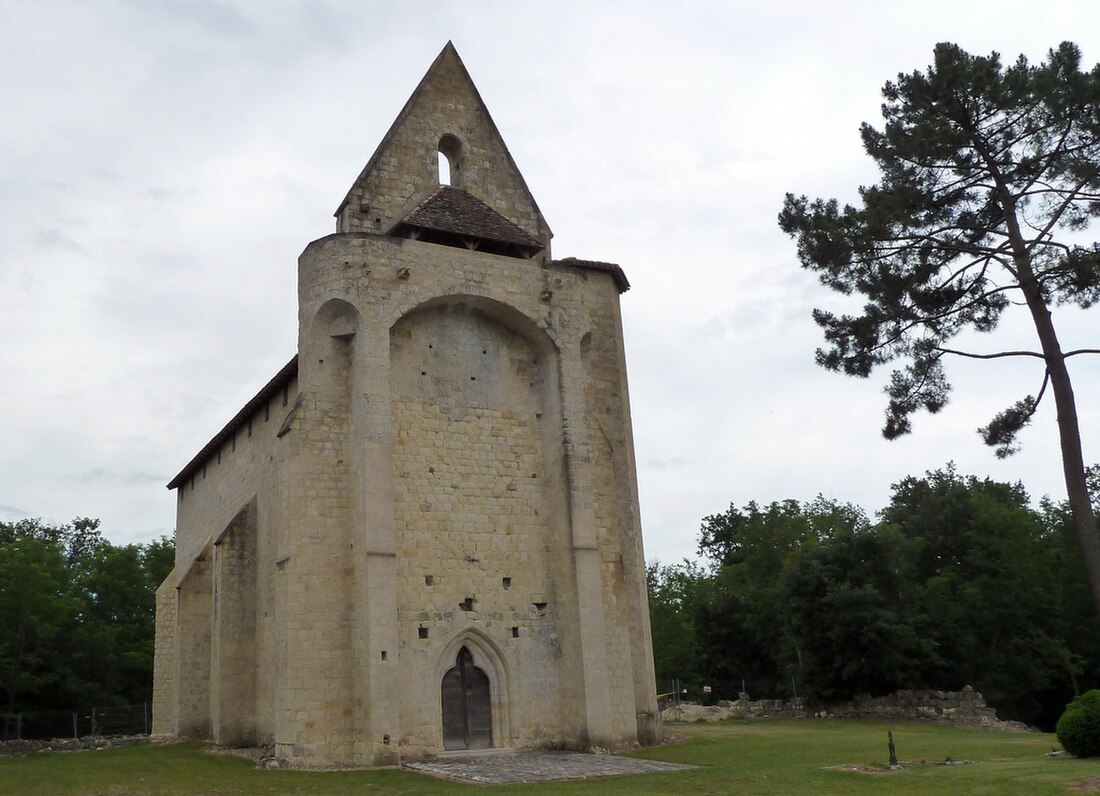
pixel 251 753
pixel 1090 785
pixel 863 768
pixel 671 739
pixel 866 769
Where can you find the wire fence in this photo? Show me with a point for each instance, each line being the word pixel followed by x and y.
pixel 710 691
pixel 91 722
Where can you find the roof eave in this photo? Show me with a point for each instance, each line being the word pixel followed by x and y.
pixel 280 380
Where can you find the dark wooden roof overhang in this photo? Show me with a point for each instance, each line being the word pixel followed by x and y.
pixel 453 217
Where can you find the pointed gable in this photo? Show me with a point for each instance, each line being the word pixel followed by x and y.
pixel 445 114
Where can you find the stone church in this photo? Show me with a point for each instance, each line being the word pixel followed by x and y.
pixel 422 534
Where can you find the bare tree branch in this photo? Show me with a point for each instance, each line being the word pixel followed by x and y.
pixel 998 355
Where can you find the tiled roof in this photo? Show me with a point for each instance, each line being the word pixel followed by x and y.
pixel 457 212
pixel 595 265
pixel 280 380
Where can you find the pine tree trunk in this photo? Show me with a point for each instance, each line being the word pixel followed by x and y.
pixel 1069 432
pixel 1073 463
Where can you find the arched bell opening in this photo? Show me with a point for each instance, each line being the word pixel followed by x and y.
pixel 449 160
pixel 466 698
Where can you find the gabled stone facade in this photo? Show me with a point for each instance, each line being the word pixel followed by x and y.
pixel 423 533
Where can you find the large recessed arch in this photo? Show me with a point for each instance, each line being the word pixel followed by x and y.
pixel 544 340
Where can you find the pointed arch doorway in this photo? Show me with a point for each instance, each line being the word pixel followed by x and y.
pixel 467 705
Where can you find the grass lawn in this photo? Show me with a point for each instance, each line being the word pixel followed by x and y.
pixel 766 757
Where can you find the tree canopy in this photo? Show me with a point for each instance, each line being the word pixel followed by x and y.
pixel 77 615
pixel 989 175
pixel 960 581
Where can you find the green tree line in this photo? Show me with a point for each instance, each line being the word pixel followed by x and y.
pixel 989 179
pixel 77 616
pixel 960 581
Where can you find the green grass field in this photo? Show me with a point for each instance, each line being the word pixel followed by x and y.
pixel 765 757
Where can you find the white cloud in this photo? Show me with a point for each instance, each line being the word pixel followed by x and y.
pixel 162 166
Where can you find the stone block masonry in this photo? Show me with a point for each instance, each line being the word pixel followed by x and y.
pixel 423 533
pixel 965 708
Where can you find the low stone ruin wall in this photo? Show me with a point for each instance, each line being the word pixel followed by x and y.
pixel 741 709
pixel 966 708
pixel 24 747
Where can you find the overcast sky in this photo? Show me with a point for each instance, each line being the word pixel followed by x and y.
pixel 162 165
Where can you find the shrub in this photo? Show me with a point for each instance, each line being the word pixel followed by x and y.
pixel 1079 728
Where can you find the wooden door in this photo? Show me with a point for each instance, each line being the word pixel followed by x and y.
pixel 467 708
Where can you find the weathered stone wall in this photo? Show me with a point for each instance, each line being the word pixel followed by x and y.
pixel 615 502
pixel 250 467
pixel 959 707
pixel 314 712
pixel 474 544
pixel 209 500
pixel 193 636
pixel 966 707
pixel 405 169
pixel 472 354
pixel 452 466
pixel 165 659
pixel 740 709
pixel 343 536
pixel 233 643
pixel 25 747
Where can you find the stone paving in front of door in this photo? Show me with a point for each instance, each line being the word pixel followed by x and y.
pixel 503 766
